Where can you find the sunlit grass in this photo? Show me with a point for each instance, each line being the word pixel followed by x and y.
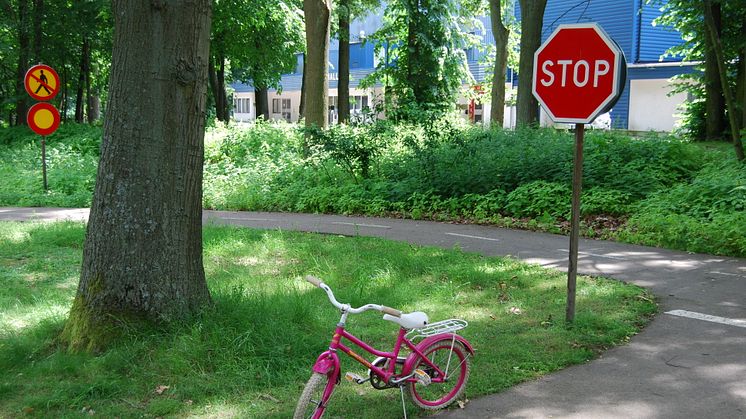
pixel 250 354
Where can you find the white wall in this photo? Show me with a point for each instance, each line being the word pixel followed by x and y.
pixel 650 107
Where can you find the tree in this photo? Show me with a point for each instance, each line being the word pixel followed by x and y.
pixel 347 11
pixel 23 56
pixel 317 16
pixel 730 99
pixel 142 258
pixel 501 35
pixel 532 19
pixel 426 40
pixel 252 41
pixel 714 33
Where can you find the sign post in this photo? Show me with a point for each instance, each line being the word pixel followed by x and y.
pixel 42 83
pixel 579 73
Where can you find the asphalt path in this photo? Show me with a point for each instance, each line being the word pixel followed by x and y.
pixel 689 362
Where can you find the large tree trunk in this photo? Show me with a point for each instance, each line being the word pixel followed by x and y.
pixel 343 66
pixel 714 99
pixel 23 55
pixel 730 102
pixel 501 33
pixel 261 97
pixel 85 59
pixel 532 20
pixel 142 258
pixel 317 14
pixel 302 106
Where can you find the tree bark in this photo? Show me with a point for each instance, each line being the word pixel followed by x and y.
pixel 343 67
pixel 261 97
pixel 82 82
pixel 89 96
pixel 216 74
pixel 730 103
pixel 741 79
pixel 23 56
pixel 714 99
pixel 501 33
pixel 532 20
pixel 302 106
pixel 38 32
pixel 317 14
pixel 142 258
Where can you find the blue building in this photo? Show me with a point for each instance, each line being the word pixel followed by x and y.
pixel 646 103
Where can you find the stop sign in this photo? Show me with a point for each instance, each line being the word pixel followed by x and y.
pixel 579 73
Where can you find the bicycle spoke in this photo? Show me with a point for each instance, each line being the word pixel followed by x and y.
pixel 457 366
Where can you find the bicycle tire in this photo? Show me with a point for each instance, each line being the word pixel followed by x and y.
pixel 439 394
pixel 310 404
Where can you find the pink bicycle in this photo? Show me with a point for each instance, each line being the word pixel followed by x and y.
pixel 434 372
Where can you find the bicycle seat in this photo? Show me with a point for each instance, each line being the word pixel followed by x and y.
pixel 413 320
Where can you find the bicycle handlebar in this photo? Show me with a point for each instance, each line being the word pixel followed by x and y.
pixel 346 307
pixel 315 281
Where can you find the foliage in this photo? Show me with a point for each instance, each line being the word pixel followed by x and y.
pixel 687 17
pixel 259 38
pixel 424 43
pixel 250 354
pixel 707 215
pixel 446 170
pixel 72 158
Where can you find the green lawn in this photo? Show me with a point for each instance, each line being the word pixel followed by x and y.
pixel 250 354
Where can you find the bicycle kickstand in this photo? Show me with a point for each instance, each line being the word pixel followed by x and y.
pixel 403 406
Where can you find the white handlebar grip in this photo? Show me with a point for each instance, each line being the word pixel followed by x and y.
pixel 315 281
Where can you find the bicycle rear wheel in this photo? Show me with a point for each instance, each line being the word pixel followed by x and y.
pixel 315 396
pixel 448 381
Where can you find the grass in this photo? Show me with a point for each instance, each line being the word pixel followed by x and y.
pixel 250 354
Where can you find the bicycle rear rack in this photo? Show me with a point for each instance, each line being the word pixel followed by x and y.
pixel 443 326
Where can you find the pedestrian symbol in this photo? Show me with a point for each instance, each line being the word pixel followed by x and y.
pixel 42 82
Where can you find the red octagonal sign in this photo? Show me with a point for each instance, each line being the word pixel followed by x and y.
pixel 579 73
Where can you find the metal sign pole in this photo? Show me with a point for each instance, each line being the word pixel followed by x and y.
pixel 44 161
pixel 577 186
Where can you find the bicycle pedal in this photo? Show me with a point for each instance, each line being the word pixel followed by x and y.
pixel 422 377
pixel 354 378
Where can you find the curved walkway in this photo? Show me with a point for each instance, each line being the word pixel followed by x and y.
pixel 689 362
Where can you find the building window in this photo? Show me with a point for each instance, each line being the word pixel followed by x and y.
pixel 242 105
pixel 282 106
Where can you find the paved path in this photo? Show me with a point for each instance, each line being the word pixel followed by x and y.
pixel 690 362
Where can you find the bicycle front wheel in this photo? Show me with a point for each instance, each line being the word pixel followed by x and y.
pixel 448 381
pixel 315 397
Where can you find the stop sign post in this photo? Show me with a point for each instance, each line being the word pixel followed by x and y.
pixel 579 73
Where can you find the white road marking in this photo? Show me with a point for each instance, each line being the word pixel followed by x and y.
pixel 726 274
pixel 708 318
pixel 361 225
pixel 594 254
pixel 245 219
pixel 472 237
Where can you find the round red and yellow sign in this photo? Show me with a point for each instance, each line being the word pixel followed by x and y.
pixel 43 118
pixel 42 82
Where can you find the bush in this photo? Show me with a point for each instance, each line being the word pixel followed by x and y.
pixel 707 215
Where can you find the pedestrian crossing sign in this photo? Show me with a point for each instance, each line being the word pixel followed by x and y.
pixel 42 82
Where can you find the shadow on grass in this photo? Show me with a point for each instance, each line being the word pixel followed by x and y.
pixel 251 352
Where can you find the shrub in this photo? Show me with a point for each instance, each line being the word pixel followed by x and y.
pixel 540 198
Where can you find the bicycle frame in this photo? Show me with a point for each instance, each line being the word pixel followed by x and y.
pixel 328 362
